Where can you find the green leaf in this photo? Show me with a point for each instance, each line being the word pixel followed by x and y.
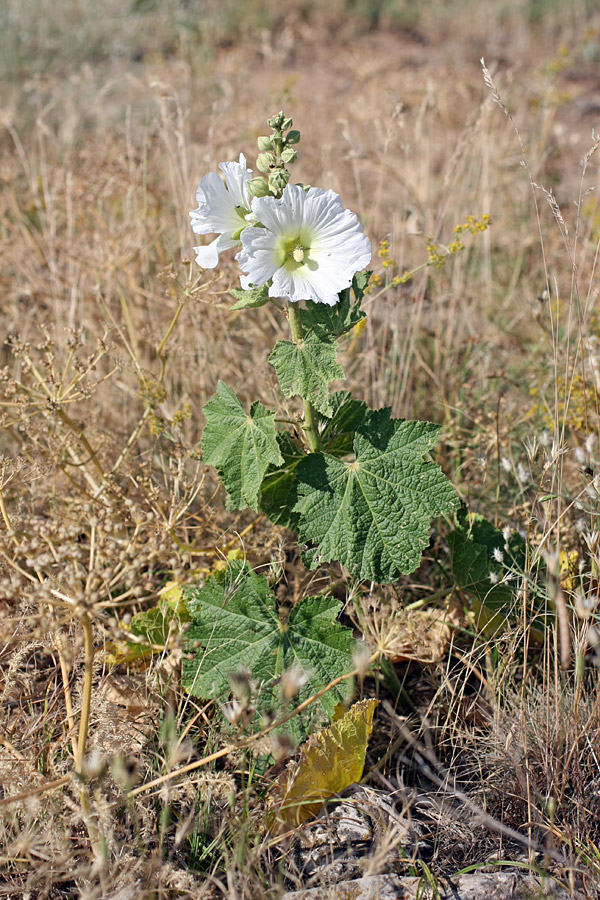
pixel 156 624
pixel 235 624
pixel 335 320
pixel 472 546
pixel 360 283
pixel 373 514
pixel 240 445
pixel 277 492
pixel 250 299
pixel 337 435
pixel 305 369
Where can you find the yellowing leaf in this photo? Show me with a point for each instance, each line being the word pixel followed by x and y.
pixel 330 760
pixel 221 563
pixel 119 653
pixel 173 594
pixel 153 628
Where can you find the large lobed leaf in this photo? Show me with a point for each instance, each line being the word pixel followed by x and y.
pixel 235 624
pixel 305 369
pixel 372 514
pixel 487 577
pixel 241 446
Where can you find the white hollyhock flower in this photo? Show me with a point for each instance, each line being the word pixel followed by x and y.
pixel 222 208
pixel 309 245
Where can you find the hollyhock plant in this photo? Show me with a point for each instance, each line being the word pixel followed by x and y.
pixel 308 245
pixel 356 485
pixel 223 208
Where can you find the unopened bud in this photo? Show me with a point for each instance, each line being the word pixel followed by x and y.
pixel 292 137
pixel 287 123
pixel 289 155
pixel 264 144
pixel 257 187
pixel 265 162
pixel 276 121
pixel 278 180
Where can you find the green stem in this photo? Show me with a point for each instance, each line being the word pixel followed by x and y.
pixel 310 419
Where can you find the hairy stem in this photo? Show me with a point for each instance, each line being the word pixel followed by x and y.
pixel 310 419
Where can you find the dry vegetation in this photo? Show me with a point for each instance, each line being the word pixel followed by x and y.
pixel 111 113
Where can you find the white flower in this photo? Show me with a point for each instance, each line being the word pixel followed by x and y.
pixel 222 208
pixel 498 555
pixel 309 245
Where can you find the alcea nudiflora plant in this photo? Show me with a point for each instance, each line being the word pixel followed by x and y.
pixel 354 483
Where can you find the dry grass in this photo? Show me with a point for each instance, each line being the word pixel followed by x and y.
pixel 115 340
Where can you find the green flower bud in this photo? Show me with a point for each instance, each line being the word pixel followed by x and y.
pixel 289 156
pixel 292 137
pixel 275 122
pixel 265 162
pixel 278 180
pixel 257 187
pixel 287 123
pixel 264 144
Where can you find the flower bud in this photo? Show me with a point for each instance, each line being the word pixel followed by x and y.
pixel 287 123
pixel 265 162
pixel 278 180
pixel 292 137
pixel 275 122
pixel 257 187
pixel 289 155
pixel 264 143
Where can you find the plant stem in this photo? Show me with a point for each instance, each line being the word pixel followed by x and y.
pixel 310 420
pixel 88 643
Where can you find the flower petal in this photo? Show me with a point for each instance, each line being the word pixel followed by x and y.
pixel 236 176
pixel 316 223
pixel 222 208
pixel 208 256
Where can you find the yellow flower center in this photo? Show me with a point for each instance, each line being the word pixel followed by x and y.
pixel 293 252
